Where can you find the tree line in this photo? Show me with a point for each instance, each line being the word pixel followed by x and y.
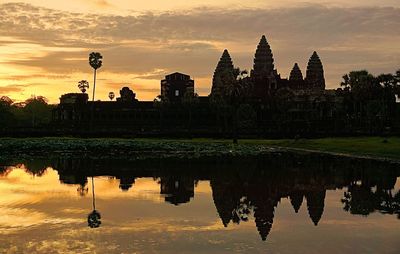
pixel 34 112
pixel 365 97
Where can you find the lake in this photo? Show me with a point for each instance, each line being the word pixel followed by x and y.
pixel 278 203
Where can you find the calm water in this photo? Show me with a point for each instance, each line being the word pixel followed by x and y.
pixel 274 204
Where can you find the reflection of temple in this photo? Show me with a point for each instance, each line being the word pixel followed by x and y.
pixel 315 205
pixel 263 197
pixel 126 182
pixel 253 187
pixel 177 190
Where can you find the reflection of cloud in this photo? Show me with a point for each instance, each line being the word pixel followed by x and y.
pixel 346 38
pixel 173 226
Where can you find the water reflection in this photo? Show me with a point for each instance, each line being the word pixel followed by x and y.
pixel 242 188
pixel 94 218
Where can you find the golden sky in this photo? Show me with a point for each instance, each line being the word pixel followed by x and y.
pixel 44 45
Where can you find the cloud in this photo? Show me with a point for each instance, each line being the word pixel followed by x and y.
pixel 191 41
pixel 11 88
pixel 103 3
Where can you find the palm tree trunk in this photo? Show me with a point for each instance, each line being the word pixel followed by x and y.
pixel 92 109
pixel 94 83
pixel 93 196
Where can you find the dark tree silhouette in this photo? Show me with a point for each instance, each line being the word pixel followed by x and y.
pixel 83 85
pixel 6 115
pixel 236 90
pixel 37 110
pixel 111 95
pixel 190 101
pixel 5 100
pixel 161 103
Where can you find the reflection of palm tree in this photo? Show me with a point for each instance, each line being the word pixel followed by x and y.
pixel 82 189
pixel 94 218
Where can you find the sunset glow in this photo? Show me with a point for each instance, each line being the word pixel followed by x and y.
pixel 44 44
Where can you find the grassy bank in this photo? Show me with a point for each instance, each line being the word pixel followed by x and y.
pixel 109 147
pixel 360 146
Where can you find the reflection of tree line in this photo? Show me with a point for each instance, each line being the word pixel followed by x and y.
pixel 253 186
pixel 362 199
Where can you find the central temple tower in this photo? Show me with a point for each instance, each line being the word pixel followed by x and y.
pixel 263 75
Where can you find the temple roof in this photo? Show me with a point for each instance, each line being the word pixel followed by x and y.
pixel 177 74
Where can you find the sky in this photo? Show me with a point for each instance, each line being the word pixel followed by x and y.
pixel 44 45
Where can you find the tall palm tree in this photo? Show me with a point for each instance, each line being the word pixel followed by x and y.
pixel 83 85
pixel 95 60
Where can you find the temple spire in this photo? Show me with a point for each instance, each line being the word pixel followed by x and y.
pixel 315 72
pixel 225 64
pixel 263 75
pixel 263 60
pixel 295 74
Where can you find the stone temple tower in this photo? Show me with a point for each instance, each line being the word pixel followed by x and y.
pixel 263 74
pixel 225 64
pixel 296 80
pixel 295 74
pixel 315 79
pixel 263 61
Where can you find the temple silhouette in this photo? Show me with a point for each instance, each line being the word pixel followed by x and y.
pixel 269 105
pixel 246 189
